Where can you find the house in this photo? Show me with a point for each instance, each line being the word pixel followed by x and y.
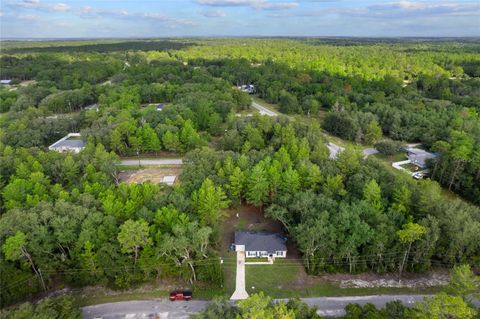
pixel 250 88
pixel 159 106
pixel 70 143
pixel 5 82
pixel 260 244
pixel 419 157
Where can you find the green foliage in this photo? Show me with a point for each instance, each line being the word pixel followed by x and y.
pixel 444 306
pixel 59 308
pixel 464 283
pixel 210 202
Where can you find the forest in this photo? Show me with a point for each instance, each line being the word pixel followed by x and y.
pixel 66 218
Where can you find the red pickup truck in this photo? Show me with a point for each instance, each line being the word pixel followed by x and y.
pixel 181 295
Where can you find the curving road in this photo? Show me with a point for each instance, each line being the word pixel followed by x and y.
pixel 263 110
pixel 163 308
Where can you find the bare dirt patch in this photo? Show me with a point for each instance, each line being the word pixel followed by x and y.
pixel 153 175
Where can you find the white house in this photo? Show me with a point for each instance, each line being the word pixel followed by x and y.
pixel 5 82
pixel 70 143
pixel 257 245
pixel 419 157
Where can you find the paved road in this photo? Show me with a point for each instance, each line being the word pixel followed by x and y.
pixel 165 309
pixel 153 161
pixel 263 110
pixel 162 308
pixel 369 151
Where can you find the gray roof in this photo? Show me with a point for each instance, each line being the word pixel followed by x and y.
pixel 70 143
pixel 418 156
pixel 269 242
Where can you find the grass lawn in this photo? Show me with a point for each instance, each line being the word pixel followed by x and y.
pixel 411 167
pixel 280 280
pixel 391 158
pixel 229 267
pixel 273 279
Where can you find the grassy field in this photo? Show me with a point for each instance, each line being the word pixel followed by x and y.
pixel 283 279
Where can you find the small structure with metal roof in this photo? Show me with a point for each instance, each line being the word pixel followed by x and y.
pixel 419 157
pixel 260 244
pixel 169 180
pixel 70 143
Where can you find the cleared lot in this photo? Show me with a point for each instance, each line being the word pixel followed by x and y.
pixel 154 175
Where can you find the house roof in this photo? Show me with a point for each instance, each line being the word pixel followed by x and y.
pixel 69 143
pixel 418 156
pixel 5 81
pixel 270 242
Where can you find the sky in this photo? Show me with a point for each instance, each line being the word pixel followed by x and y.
pixel 184 18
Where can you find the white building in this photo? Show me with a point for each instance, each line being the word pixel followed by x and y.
pixel 70 143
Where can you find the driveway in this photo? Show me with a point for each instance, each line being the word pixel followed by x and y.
pixel 398 165
pixel 153 161
pixel 263 110
pixel 369 151
pixel 240 292
pixel 334 150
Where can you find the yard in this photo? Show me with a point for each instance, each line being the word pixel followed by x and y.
pixel 154 175
pixel 286 278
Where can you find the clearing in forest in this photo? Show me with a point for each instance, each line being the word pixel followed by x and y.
pixel 153 175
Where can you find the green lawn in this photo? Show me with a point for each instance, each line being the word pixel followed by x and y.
pixel 280 281
pixel 272 279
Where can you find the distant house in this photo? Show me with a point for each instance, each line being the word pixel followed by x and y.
pixel 249 88
pixel 70 143
pixel 260 244
pixel 92 107
pixel 159 106
pixel 5 82
pixel 419 157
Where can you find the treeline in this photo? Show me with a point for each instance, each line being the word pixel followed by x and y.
pixel 102 47
pixel 66 218
pixel 345 215
pixel 64 72
pixel 195 106
pixel 424 109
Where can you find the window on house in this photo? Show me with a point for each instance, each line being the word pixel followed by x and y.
pixel 279 253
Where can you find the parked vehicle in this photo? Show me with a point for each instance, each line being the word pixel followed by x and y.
pixel 180 295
